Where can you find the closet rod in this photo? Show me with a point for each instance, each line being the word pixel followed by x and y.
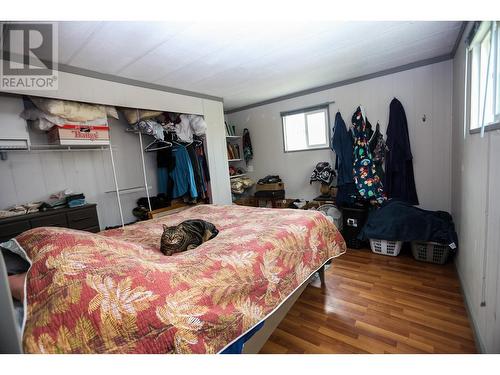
pixel 116 186
pixel 144 169
pixel 58 150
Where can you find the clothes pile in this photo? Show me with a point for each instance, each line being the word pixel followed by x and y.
pixel 240 184
pixel 21 209
pixel 64 198
pixel 270 179
pixel 43 114
pixel 397 220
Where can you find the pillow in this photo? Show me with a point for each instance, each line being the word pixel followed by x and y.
pixel 45 121
pixel 132 118
pixel 74 111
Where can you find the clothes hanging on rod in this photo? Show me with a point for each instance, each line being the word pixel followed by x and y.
pixel 182 167
pixel 183 170
pixel 182 176
pixel 367 181
pixel 378 149
pixel 342 144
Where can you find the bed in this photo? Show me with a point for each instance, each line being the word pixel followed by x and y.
pixel 114 292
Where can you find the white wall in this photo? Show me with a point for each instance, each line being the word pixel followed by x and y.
pixel 424 90
pixel 479 235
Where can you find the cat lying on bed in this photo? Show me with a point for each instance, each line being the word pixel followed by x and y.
pixel 185 236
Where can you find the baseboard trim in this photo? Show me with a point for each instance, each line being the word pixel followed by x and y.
pixel 475 329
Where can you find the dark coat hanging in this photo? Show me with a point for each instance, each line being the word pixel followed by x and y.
pixel 342 144
pixel 399 181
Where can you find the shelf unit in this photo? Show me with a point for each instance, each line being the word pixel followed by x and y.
pixel 238 175
pixel 236 163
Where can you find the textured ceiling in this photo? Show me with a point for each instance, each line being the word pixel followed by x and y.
pixel 250 62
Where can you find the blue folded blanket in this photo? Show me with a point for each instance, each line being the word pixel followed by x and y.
pixel 397 220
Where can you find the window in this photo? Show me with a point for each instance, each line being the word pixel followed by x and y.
pixel 306 129
pixel 484 76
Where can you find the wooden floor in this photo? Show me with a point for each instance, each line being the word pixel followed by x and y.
pixel 378 304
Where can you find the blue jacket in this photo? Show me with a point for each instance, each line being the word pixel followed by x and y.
pixel 342 144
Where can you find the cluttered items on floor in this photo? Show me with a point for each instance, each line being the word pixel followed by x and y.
pixel 186 236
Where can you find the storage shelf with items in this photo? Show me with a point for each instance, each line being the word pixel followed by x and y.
pixel 238 175
pixel 240 183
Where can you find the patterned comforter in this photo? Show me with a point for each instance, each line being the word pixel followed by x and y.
pixel 114 292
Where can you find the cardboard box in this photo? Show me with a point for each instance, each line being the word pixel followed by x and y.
pixel 73 135
pixel 268 187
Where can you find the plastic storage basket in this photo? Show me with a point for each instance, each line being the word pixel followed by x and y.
pixel 431 252
pixel 384 247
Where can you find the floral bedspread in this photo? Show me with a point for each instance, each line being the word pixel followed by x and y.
pixel 114 292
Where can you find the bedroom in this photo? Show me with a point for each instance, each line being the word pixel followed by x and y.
pixel 241 185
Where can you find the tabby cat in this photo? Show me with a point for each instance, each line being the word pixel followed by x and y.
pixel 185 236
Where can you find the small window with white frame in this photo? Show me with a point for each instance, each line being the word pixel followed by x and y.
pixel 306 129
pixel 483 71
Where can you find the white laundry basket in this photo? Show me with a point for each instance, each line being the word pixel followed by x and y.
pixel 384 247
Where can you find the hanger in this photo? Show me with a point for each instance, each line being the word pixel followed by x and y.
pixel 197 141
pixel 157 144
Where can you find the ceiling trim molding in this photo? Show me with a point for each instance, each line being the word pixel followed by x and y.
pixel 123 80
pixel 397 69
pixel 459 38
pixel 133 82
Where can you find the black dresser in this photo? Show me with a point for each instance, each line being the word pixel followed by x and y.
pixel 83 218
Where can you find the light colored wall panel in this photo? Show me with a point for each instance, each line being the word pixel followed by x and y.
pixel 471 180
pixel 217 152
pixel 425 90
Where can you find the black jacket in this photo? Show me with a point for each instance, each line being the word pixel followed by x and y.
pixel 399 181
